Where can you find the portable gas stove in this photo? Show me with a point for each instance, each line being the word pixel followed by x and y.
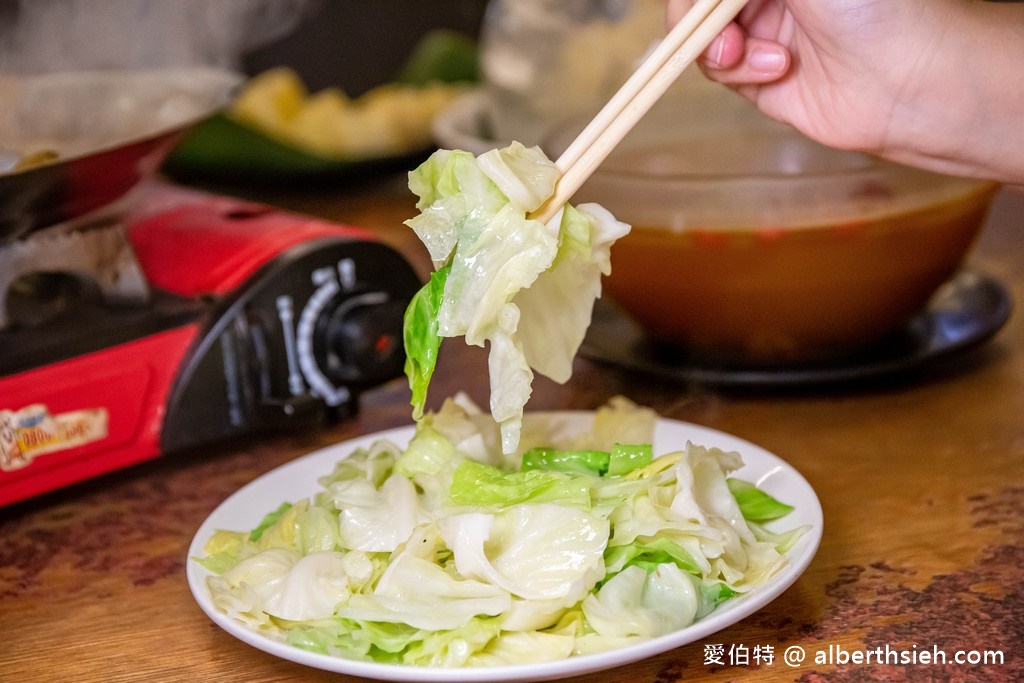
pixel 249 319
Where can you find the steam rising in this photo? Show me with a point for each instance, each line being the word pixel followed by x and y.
pixel 38 36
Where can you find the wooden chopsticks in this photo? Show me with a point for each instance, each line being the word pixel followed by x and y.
pixel 680 47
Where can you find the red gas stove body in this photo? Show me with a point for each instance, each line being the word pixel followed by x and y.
pixel 257 318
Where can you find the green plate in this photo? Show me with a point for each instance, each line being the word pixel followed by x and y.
pixel 222 150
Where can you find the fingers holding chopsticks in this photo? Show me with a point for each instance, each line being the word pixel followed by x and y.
pixel 747 54
pixel 930 83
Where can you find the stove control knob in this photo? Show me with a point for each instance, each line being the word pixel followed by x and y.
pixel 358 339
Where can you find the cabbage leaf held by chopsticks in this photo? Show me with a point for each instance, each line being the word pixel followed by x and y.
pixel 522 287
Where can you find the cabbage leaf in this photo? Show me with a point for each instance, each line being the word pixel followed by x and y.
pixel 523 288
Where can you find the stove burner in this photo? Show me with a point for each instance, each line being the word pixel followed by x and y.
pixel 35 298
pixel 51 268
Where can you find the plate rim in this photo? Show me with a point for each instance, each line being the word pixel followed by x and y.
pixel 733 611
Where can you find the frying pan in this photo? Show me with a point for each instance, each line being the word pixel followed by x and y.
pixel 109 129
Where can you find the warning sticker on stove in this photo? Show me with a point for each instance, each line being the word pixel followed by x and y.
pixel 33 431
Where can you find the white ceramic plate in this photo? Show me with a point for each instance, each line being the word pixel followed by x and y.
pixel 298 479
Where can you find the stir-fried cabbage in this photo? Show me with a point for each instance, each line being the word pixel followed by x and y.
pixel 501 279
pixel 450 553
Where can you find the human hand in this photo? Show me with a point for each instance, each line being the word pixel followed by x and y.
pixel 838 70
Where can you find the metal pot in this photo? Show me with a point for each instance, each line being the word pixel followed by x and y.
pixel 106 132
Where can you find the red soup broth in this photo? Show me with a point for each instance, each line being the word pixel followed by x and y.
pixel 774 293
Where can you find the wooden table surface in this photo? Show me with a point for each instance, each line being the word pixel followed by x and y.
pixel 921 479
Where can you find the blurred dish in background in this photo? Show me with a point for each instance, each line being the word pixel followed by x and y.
pixel 278 131
pixel 390 120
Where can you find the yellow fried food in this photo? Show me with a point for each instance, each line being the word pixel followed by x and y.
pixel 271 100
pixel 331 126
pixel 389 120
